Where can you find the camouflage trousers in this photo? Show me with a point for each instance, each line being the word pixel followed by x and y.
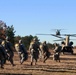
pixel 56 56
pixel 34 56
pixel 41 56
pixel 1 61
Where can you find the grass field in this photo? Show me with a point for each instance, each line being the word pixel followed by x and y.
pixel 67 66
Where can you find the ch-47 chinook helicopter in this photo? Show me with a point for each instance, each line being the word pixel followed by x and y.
pixel 68 47
pixel 57 34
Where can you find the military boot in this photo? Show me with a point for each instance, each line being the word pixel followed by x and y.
pixel 31 64
pixel 2 67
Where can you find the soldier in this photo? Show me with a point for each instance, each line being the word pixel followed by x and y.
pixel 46 52
pixel 57 50
pixel 70 44
pixel 2 55
pixel 63 47
pixel 22 52
pixel 41 55
pixel 18 50
pixel 34 50
pixel 9 49
pixel 4 51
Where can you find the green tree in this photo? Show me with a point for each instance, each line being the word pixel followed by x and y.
pixel 26 40
pixel 3 27
pixel 50 46
pixel 10 32
pixel 17 38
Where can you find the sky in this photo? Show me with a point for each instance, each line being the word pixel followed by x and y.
pixel 30 17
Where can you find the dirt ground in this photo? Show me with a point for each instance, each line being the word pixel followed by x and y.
pixel 67 66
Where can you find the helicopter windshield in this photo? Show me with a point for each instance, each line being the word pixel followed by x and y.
pixel 57 32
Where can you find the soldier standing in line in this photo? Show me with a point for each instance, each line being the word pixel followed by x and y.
pixel 34 50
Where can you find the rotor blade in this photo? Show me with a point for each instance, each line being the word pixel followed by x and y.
pixel 72 39
pixel 57 40
pixel 63 39
pixel 51 34
pixel 74 35
pixel 57 29
pixel 57 36
pixel 43 34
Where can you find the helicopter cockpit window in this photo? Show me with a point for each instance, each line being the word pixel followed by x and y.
pixel 57 32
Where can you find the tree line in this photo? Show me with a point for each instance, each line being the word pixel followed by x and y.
pixel 10 32
pixel 26 39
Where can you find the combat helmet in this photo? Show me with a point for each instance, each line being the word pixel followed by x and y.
pixel 35 39
pixel 20 41
pixel 7 38
pixel 44 42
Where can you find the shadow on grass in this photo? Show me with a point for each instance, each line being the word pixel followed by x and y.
pixel 13 74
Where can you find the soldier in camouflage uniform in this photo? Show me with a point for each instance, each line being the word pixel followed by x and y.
pixel 41 52
pixel 23 55
pixel 34 51
pixel 2 55
pixel 46 52
pixel 57 51
pixel 9 50
pixel 4 51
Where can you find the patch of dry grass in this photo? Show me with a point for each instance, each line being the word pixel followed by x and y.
pixel 67 66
